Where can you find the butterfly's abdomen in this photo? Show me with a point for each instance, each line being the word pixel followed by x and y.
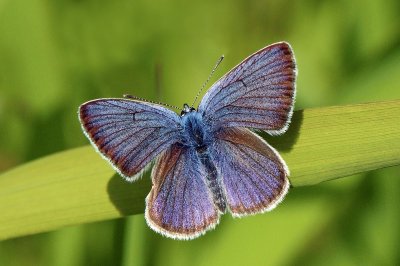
pixel 212 180
pixel 196 135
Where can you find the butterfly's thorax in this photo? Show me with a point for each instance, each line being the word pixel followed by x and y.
pixel 198 136
pixel 196 133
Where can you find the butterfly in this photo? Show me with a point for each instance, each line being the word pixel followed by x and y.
pixel 208 161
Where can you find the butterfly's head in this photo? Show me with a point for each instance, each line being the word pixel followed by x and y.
pixel 187 109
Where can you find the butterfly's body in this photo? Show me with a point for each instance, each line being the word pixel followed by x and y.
pixel 207 160
pixel 199 137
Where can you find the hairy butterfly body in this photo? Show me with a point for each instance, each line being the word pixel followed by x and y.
pixel 207 160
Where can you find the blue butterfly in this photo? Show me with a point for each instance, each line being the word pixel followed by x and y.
pixel 207 161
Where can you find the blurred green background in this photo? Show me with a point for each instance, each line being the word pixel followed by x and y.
pixel 55 55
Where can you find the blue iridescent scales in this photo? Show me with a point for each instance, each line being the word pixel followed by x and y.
pixel 207 161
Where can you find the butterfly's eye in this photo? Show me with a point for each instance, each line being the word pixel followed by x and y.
pixel 187 109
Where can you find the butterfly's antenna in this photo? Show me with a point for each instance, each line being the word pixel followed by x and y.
pixel 208 79
pixel 128 96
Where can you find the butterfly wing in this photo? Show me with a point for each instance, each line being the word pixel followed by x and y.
pixel 258 93
pixel 252 173
pixel 129 133
pixel 180 204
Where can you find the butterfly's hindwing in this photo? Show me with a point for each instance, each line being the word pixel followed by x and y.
pixel 253 175
pixel 180 204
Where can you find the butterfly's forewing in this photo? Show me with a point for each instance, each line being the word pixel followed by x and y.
pixel 253 174
pixel 257 93
pixel 128 133
pixel 180 204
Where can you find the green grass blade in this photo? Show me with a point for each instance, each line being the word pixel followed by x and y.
pixel 333 142
pixel 77 186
